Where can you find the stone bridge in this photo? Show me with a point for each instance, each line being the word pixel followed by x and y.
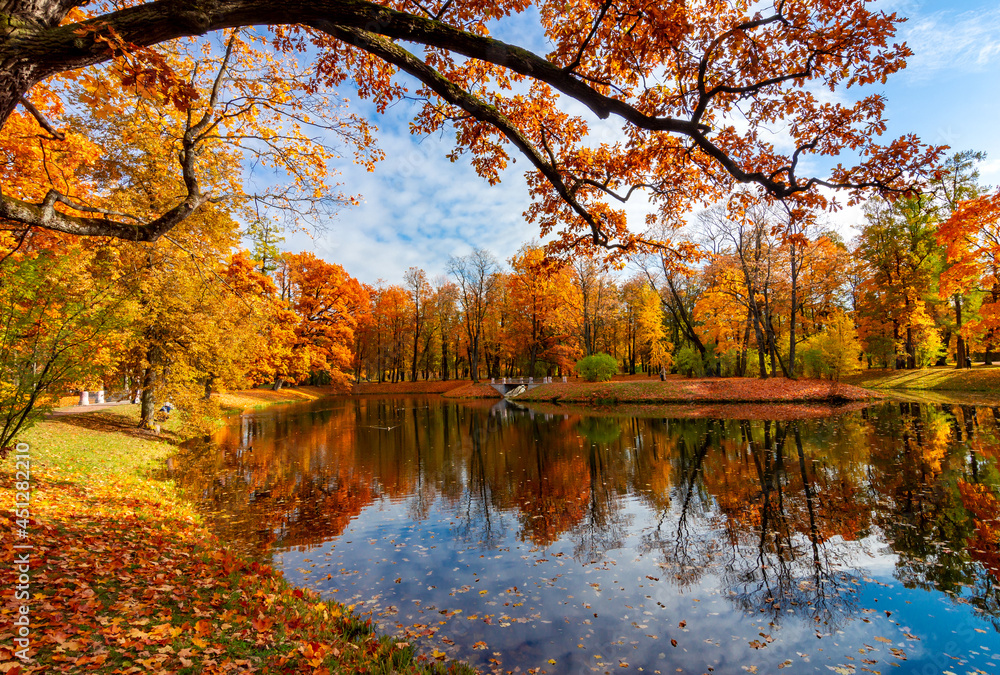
pixel 506 385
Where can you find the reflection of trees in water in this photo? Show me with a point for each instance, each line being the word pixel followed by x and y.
pixel 792 566
pixel 480 521
pixel 685 551
pixel 920 455
pixel 603 526
pixel 774 507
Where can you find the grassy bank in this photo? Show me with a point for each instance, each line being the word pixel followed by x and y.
pixel 261 398
pixel 979 380
pixel 125 578
pixel 726 411
pixel 418 387
pixel 707 390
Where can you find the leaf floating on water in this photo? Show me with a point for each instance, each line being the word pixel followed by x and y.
pixel 673 642
pixel 882 639
pixel 480 645
pixel 682 624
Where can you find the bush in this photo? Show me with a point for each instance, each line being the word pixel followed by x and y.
pixel 833 352
pixel 597 367
pixel 688 362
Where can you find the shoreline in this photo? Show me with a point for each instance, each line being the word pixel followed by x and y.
pixel 701 390
pixel 127 577
pixel 674 390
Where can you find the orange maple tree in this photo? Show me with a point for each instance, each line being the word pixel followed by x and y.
pixel 971 238
pixel 675 77
pixel 328 302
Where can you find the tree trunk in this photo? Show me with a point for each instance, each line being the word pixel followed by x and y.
pixel 911 350
pixel 960 356
pixel 148 400
pixel 791 325
pixel 742 358
pixel 474 361
pixel 444 355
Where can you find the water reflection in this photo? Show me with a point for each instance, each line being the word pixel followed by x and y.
pixel 510 537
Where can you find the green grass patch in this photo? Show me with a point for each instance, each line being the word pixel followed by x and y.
pixel 981 379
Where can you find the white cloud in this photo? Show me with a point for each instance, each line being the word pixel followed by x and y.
pixel 418 208
pixel 952 41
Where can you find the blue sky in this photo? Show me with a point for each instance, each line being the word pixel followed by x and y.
pixel 419 208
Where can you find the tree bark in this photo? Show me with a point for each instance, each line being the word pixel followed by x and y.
pixel 960 355
pixel 791 314
pixel 148 400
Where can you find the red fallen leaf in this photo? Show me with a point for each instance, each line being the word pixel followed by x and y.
pixel 262 624
pixel 203 627
pixel 682 624
pixel 673 642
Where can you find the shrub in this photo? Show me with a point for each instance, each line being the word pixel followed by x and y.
pixel 833 352
pixel 688 362
pixel 597 367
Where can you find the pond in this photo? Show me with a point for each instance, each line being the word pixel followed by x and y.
pixel 657 540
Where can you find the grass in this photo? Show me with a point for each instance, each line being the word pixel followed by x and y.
pixel 127 579
pixel 261 398
pixel 705 390
pixel 980 379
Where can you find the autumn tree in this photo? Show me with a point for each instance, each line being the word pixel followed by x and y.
pixel 540 311
pixel 674 77
pixel 745 228
pixel 650 337
pixel 900 253
pixel 445 301
pixel 64 316
pixel 969 234
pixel 328 302
pixel 476 276
pixel 835 350
pixel 597 297
pixel 419 290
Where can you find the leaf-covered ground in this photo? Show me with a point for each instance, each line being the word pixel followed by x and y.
pixel 704 390
pixel 474 390
pixel 419 387
pixel 125 579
